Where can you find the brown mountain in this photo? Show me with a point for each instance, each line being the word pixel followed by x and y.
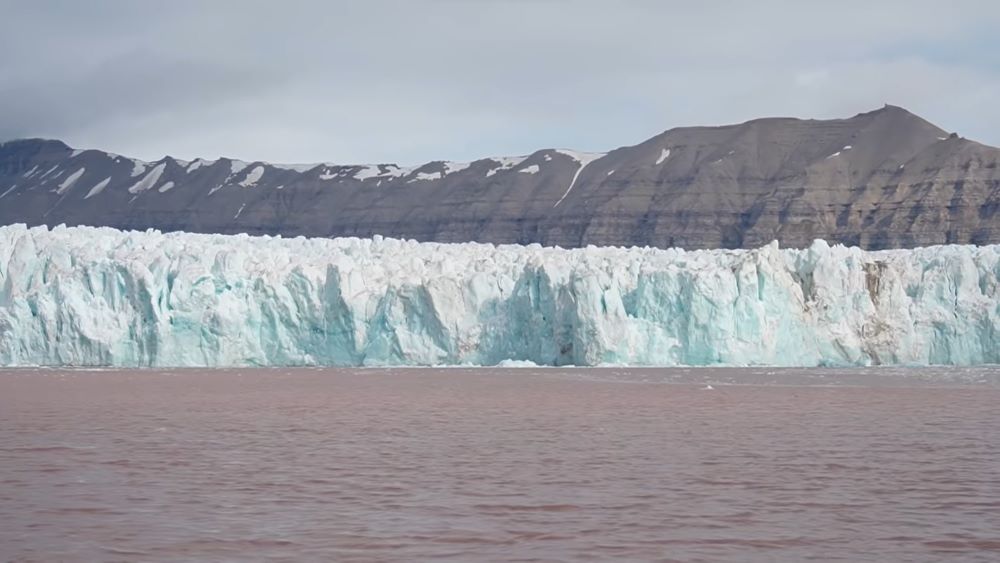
pixel 881 179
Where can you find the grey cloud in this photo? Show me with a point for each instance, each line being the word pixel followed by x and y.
pixel 416 80
pixel 130 86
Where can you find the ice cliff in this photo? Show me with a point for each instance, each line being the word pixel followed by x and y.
pixel 98 296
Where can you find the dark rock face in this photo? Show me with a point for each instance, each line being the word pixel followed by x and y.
pixel 877 180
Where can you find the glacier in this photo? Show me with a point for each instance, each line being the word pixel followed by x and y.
pixel 101 297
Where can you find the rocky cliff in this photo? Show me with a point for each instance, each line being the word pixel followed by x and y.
pixel 881 179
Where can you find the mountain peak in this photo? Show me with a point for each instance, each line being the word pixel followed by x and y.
pixel 890 108
pixel 895 114
pixel 35 143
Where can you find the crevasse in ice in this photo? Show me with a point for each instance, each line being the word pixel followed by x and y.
pixel 87 296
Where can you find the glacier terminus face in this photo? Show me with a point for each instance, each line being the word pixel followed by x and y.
pixel 101 297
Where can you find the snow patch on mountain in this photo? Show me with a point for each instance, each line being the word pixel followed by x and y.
pixel 138 167
pixel 396 171
pixel 237 166
pixel 583 158
pixel 149 180
pixel 426 176
pixel 300 168
pixel 504 163
pixel 69 181
pixel 387 171
pixel 253 177
pixel 98 188
pixel 198 163
pixel 367 171
pixel 453 167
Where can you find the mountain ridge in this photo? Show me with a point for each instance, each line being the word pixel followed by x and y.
pixel 879 179
pixel 310 165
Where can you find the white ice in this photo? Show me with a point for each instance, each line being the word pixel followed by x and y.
pixel 86 296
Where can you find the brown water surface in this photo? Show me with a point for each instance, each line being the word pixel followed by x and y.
pixel 529 464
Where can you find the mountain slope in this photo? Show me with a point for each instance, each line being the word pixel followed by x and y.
pixel 881 179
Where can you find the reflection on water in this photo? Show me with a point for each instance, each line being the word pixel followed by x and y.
pixel 531 464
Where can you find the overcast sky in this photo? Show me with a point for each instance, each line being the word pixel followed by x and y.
pixel 418 80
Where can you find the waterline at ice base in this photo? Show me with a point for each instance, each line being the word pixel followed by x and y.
pixel 101 297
